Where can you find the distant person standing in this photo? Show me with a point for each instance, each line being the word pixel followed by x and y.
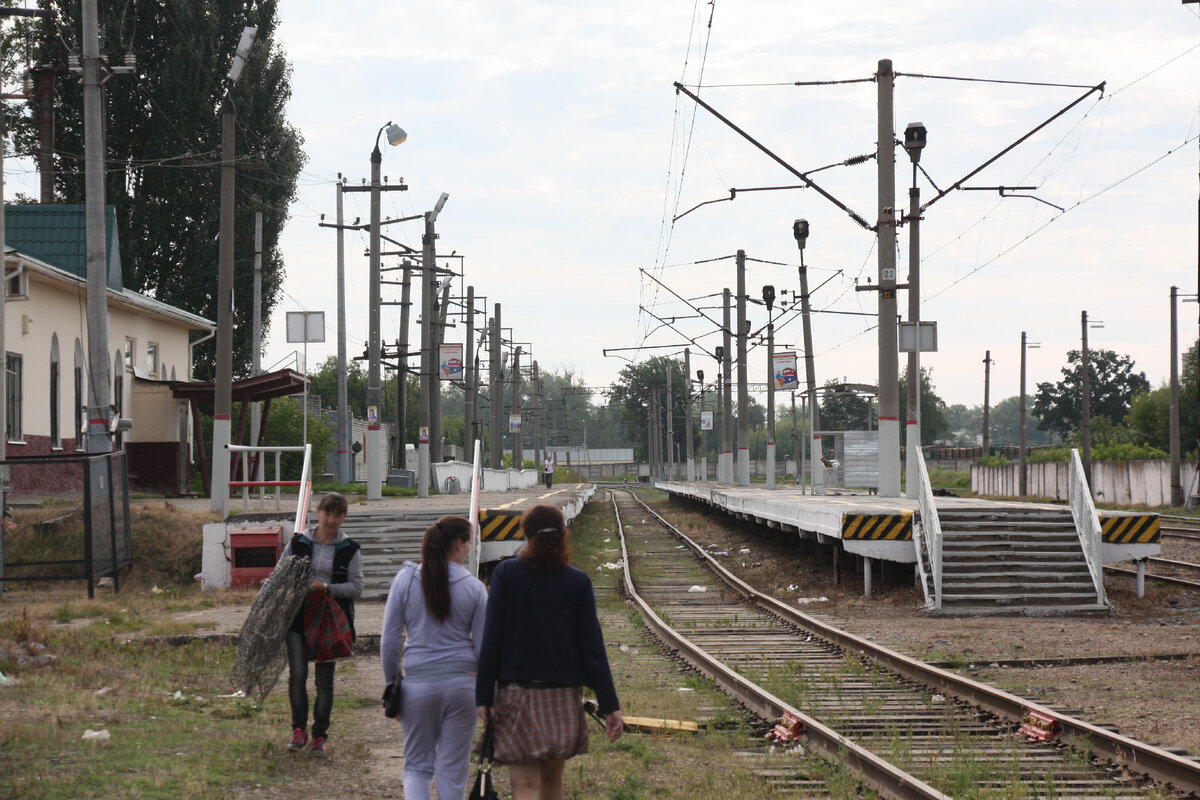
pixel 542 644
pixel 548 470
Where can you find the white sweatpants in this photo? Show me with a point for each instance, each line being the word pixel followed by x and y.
pixel 438 723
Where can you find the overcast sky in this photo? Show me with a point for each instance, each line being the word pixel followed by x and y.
pixel 556 131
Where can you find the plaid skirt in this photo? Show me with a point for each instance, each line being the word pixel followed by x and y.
pixel 539 724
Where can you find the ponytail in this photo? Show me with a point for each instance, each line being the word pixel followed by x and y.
pixel 435 566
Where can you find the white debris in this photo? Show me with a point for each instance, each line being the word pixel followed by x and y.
pixel 792 587
pixel 609 539
pixel 238 693
pixel 744 550
pixel 5 681
pixel 179 695
pixel 104 691
pixel 611 565
pixel 155 590
pixel 624 648
pixel 803 601
pixel 938 698
pixel 697 590
pixel 685 689
pixel 97 736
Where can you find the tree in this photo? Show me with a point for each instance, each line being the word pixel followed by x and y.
pixel 934 422
pixel 843 409
pixel 163 147
pixel 1006 423
pixel 323 382
pixel 631 394
pixel 1112 386
pixel 1150 413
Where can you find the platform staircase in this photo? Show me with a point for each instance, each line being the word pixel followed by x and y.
pixel 1020 560
pixel 388 539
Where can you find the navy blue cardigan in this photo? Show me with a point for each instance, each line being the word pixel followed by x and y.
pixel 541 625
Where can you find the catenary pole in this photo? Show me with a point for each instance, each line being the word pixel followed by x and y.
pixel 727 404
pixel 743 445
pixel 1176 478
pixel 889 389
pixel 345 457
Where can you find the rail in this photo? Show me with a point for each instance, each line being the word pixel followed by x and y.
pixel 1087 524
pixel 927 536
pixel 876 772
pixel 304 484
pixel 1182 773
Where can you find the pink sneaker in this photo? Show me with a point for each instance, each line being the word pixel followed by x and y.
pixel 318 746
pixel 299 739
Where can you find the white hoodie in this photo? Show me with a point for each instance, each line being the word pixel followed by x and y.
pixel 432 650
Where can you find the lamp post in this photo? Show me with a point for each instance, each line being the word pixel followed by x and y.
pixel 430 389
pixel 768 295
pixel 395 135
pixel 914 143
pixel 800 232
pixel 703 439
pixel 1022 478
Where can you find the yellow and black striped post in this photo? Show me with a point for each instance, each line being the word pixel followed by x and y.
pixel 1130 529
pixel 878 527
pixel 499 526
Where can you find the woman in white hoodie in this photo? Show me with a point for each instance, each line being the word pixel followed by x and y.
pixel 441 606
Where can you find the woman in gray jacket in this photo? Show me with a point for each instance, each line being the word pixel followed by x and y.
pixel 441 606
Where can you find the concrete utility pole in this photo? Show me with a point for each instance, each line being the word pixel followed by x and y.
pixel 1022 478
pixel 687 377
pixel 495 390
pixel 1085 367
pixel 345 425
pixel 223 387
pixel 987 384
pixel 670 403
pixel 769 299
pixel 726 458
pixel 428 377
pixel 256 336
pixel 537 418
pixel 1176 479
pixel 469 377
pixel 889 382
pixel 517 411
pixel 435 406
pixel 743 377
pixel 402 350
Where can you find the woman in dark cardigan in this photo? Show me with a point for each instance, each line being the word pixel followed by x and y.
pixel 541 645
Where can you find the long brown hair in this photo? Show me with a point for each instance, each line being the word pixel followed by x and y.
pixel 547 543
pixel 435 566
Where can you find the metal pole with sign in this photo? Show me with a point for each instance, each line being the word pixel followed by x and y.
pixel 306 326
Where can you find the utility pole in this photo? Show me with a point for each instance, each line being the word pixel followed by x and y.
pixel 435 406
pixel 889 389
pixel 256 339
pixel 470 375
pixel 496 383
pixel 517 410
pixel 345 458
pixel 223 386
pixel 687 377
pixel 914 143
pixel 1176 479
pixel 743 377
pixel 726 458
pixel 428 378
pixel 402 350
pixel 1085 368
pixel 800 231
pixel 670 409
pixel 1022 478
pixel 987 383
pixel 537 418
pixel 769 299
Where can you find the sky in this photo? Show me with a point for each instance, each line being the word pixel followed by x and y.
pixel 567 154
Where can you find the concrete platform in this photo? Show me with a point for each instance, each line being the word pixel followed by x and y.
pixel 881 527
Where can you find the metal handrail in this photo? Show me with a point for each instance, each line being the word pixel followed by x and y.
pixel 304 484
pixel 1087 524
pixel 927 535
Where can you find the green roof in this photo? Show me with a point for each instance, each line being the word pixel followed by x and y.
pixel 55 234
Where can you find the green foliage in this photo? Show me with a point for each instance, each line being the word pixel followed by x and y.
pixel 843 409
pixel 991 461
pixel 1112 451
pixel 165 117
pixel 935 423
pixel 1112 385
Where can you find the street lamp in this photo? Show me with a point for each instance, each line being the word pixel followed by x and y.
pixel 800 232
pixel 768 295
pixel 914 143
pixel 395 135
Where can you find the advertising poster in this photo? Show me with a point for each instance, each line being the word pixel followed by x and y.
pixel 450 359
pixel 706 420
pixel 514 423
pixel 785 371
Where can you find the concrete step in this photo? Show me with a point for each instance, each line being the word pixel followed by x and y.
pixel 1054 554
pixel 1009 586
pixel 1067 609
pixel 1011 564
pixel 967 528
pixel 985 599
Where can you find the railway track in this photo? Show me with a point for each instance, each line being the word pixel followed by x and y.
pixel 908 729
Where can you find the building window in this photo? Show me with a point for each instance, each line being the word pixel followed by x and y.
pixel 78 406
pixel 152 359
pixel 55 434
pixel 13 398
pixel 130 349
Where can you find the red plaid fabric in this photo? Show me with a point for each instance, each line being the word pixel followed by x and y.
pixel 539 724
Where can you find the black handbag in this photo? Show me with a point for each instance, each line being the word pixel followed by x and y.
pixel 483 789
pixel 391 692
pixel 391 698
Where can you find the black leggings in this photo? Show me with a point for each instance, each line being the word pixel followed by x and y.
pixel 298 687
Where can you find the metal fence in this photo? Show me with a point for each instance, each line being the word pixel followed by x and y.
pixel 97 487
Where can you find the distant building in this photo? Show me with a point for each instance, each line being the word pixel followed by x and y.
pixel 46 338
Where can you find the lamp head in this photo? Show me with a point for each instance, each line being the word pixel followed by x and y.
pixel 395 134
pixel 700 375
pixel 800 231
pixel 769 296
pixel 720 352
pixel 914 140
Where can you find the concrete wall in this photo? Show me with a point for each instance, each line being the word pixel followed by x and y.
pixel 1121 482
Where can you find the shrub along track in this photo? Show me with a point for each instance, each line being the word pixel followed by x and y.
pixel 904 726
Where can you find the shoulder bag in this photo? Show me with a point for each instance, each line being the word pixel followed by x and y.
pixel 391 692
pixel 483 789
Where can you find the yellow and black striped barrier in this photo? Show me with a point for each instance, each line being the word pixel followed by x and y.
pixel 499 526
pixel 1130 529
pixel 878 527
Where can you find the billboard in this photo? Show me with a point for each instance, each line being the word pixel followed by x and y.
pixel 706 420
pixel 514 423
pixel 784 369
pixel 450 359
